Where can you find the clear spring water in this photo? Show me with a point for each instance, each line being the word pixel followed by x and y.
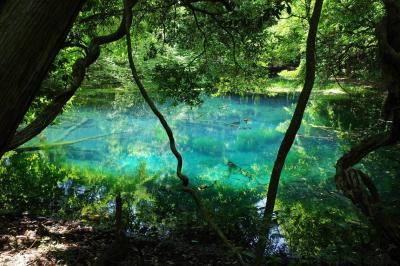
pixel 230 139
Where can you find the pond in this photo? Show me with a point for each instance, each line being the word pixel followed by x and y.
pixel 228 139
pixel 229 144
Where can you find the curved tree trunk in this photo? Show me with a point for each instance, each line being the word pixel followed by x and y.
pixel 172 144
pixel 356 185
pixel 47 116
pixel 291 132
pixel 32 33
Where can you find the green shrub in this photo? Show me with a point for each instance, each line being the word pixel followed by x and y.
pixel 29 182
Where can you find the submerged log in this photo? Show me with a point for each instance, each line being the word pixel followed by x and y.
pixel 65 143
pixel 73 128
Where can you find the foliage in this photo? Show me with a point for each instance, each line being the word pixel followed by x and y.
pixel 90 194
pixel 175 214
pixel 326 232
pixel 185 51
pixel 29 182
pixel 347 43
pixel 181 84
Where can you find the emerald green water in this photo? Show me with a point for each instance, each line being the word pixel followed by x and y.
pixel 232 140
pixel 111 143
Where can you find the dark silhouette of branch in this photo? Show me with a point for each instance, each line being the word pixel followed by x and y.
pixel 355 184
pixel 47 116
pixel 204 51
pixel 95 18
pixel 204 11
pixel 184 179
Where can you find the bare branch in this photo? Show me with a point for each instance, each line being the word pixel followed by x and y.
pixel 204 40
pixel 100 16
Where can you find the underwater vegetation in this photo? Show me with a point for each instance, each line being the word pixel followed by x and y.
pixel 207 145
pixel 256 140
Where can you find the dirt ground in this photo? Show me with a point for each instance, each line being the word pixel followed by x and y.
pixel 42 241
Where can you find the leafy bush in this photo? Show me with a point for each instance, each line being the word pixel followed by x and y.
pixel 327 232
pixel 29 182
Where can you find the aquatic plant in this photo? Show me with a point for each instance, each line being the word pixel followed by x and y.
pixel 159 134
pixel 207 145
pixel 256 139
pixel 282 126
pixel 139 149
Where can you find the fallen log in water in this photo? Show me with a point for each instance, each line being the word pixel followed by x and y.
pixel 64 143
pixel 73 128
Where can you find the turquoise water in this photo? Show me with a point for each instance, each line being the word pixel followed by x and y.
pixel 229 145
pixel 230 139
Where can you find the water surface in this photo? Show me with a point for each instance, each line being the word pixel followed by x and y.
pixel 229 145
pixel 228 139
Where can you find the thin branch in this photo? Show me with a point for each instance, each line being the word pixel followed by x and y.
pixel 204 11
pixel 232 39
pixel 184 179
pixel 64 143
pixel 204 51
pixel 100 16
pixel 341 86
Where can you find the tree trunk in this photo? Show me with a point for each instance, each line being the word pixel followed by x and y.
pixel 355 184
pixel 118 216
pixel 47 116
pixel 291 132
pixel 32 33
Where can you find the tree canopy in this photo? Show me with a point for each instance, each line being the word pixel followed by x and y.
pixel 182 53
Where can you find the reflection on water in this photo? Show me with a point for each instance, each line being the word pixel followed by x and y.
pixel 232 140
pixel 229 145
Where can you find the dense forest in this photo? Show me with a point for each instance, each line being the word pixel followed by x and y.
pixel 199 132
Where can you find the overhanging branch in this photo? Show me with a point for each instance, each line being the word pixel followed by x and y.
pixel 47 116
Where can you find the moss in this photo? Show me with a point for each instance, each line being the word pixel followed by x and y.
pixel 139 149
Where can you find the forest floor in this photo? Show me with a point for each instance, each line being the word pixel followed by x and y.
pixel 28 240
